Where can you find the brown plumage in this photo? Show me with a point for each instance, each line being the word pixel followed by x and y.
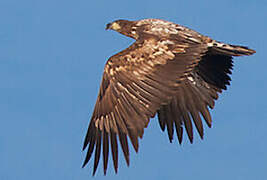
pixel 171 71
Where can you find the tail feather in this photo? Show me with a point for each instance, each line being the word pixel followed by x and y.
pixel 231 50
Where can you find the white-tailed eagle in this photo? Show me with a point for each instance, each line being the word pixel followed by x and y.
pixel 171 71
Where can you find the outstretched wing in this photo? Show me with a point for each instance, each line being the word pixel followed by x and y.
pixel 196 95
pixel 136 82
pixel 200 89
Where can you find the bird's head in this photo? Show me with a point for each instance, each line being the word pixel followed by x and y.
pixel 124 27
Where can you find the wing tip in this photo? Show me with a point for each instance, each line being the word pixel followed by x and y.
pixel 84 164
pixel 84 146
pixel 191 140
pixel 94 172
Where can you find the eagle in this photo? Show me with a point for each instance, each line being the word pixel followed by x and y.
pixel 170 70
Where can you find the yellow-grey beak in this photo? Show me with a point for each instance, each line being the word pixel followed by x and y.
pixel 108 26
pixel 114 26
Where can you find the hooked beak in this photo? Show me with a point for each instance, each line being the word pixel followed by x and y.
pixel 108 26
pixel 113 26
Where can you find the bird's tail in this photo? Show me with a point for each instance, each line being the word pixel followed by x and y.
pixel 231 50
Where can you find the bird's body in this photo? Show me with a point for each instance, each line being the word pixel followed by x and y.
pixel 171 71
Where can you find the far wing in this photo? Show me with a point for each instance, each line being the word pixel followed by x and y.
pixel 196 94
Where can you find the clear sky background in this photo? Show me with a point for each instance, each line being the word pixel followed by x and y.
pixel 52 55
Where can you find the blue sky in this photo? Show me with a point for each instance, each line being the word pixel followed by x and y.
pixel 51 63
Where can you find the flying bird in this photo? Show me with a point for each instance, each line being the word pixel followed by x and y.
pixel 170 70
